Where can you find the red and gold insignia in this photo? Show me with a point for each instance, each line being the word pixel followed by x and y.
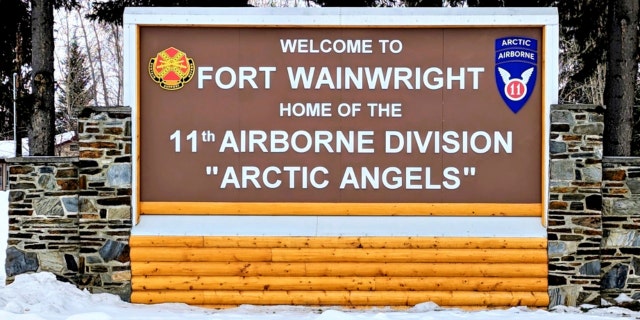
pixel 171 69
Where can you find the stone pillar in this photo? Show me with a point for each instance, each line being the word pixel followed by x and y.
pixel 621 227
pixel 105 199
pixel 575 204
pixel 43 217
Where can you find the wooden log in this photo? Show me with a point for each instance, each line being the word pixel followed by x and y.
pixel 338 283
pixel 395 308
pixel 344 209
pixel 200 254
pixel 505 270
pixel 167 241
pixel 193 297
pixel 339 242
pixel 348 298
pixel 338 255
pixel 411 255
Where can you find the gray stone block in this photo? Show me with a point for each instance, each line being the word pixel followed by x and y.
pixel 114 250
pixel 49 206
pixel 557 248
pixel 621 238
pixel 590 268
pixel 47 182
pixel 621 207
pixel 634 186
pixel 616 277
pixel 19 262
pixel 589 129
pixel 592 174
pixel 119 175
pixel 562 169
pixel 562 116
pixel 557 147
pixel 70 204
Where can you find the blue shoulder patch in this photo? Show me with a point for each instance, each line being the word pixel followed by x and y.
pixel 516 70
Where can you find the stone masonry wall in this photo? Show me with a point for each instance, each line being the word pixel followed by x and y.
pixel 575 204
pixel 43 217
pixel 620 250
pixel 105 199
pixel 72 216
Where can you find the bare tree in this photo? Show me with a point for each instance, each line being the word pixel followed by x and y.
pixel 114 32
pixel 101 70
pixel 90 57
pixel 589 90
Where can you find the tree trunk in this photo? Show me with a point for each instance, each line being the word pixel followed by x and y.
pixel 94 81
pixel 19 118
pixel 103 79
pixel 42 124
pixel 118 54
pixel 622 69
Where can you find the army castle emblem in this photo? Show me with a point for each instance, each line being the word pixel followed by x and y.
pixel 171 69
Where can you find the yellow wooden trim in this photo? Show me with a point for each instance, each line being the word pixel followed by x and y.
pixel 331 269
pixel 349 209
pixel 140 254
pixel 337 242
pixel 137 132
pixel 338 283
pixel 354 298
pixel 545 137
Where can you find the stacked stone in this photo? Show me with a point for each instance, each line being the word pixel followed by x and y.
pixel 621 227
pixel 43 217
pixel 575 204
pixel 105 199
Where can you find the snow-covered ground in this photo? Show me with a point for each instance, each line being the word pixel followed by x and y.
pixel 4 231
pixel 40 297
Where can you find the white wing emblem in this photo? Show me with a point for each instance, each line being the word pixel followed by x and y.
pixel 526 75
pixel 506 76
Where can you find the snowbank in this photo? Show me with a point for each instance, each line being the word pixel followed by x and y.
pixel 41 297
pixel 4 232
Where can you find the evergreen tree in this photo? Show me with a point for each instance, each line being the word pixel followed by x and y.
pixel 76 89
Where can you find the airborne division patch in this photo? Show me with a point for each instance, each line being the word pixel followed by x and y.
pixel 516 69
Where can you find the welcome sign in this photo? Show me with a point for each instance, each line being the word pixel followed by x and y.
pixel 340 115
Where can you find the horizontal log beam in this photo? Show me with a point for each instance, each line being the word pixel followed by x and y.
pixel 160 254
pixel 348 298
pixel 343 209
pixel 338 242
pixel 338 283
pixel 330 269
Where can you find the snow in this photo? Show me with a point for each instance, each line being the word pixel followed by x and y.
pixel 40 296
pixel 8 147
pixel 4 231
pixel 623 298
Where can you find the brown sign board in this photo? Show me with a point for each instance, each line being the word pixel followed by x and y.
pixel 332 114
